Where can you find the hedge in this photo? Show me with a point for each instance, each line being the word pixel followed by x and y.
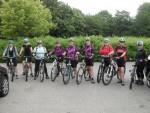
pixel 49 42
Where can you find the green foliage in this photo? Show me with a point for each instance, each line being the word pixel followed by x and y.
pixel 24 18
pixel 97 41
pixel 143 19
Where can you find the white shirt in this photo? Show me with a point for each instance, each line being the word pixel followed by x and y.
pixel 40 52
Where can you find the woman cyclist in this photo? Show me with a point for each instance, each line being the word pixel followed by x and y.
pixel 89 53
pixel 58 51
pixel 26 49
pixel 140 62
pixel 106 50
pixel 11 51
pixel 121 52
pixel 72 54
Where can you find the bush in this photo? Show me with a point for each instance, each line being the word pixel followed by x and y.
pixel 49 42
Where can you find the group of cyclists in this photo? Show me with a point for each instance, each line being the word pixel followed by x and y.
pixel 73 53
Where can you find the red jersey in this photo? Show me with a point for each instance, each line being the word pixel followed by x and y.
pixel 106 49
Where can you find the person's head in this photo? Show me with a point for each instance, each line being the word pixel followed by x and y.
pixel 88 41
pixel 39 43
pixel 71 41
pixel 106 41
pixel 58 44
pixel 10 43
pixel 122 41
pixel 140 44
pixel 26 41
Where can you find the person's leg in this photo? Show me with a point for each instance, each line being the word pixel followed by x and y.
pixel 91 73
pixel 122 75
pixel 15 67
pixel 74 66
pixel 142 73
pixel 37 62
pixel 23 68
pixel 45 70
pixel 138 74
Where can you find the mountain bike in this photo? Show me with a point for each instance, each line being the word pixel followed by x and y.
pixel 68 71
pixel 57 68
pixel 133 76
pixel 82 71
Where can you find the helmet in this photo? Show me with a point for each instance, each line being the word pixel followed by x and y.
pixel 87 39
pixel 148 57
pixel 140 43
pixel 106 40
pixel 121 39
pixel 26 40
pixel 10 42
pixel 39 41
pixel 71 40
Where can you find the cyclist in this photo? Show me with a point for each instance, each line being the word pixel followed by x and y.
pixel 11 51
pixel 26 49
pixel 58 51
pixel 72 53
pixel 106 50
pixel 39 53
pixel 121 52
pixel 140 62
pixel 89 53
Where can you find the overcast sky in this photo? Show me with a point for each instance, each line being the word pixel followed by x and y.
pixel 94 6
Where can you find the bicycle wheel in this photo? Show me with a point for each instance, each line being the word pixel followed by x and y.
pixel 99 74
pixel 54 73
pixel 26 73
pixel 12 73
pixel 148 80
pixel 66 75
pixel 41 74
pixel 107 76
pixel 131 82
pixel 79 75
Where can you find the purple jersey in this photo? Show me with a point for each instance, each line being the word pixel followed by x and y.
pixel 58 51
pixel 71 52
pixel 88 50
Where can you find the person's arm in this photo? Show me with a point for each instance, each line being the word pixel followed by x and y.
pixel 16 52
pixel 111 50
pixel 4 53
pixel 21 51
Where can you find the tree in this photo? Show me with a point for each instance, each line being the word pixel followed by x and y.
pixel 143 20
pixel 24 18
pixel 121 23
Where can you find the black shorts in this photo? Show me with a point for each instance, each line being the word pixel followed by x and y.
pixel 121 62
pixel 29 59
pixel 14 60
pixel 73 63
pixel 60 59
pixel 107 61
pixel 89 62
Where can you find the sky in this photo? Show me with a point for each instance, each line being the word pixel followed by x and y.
pixel 94 6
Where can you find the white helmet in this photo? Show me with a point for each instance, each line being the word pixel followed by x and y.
pixel 148 57
pixel 106 40
pixel 26 40
pixel 121 39
pixel 140 43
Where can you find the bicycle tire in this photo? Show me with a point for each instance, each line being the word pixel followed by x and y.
pixel 54 73
pixel 26 73
pixel 41 74
pixel 148 80
pixel 99 77
pixel 66 75
pixel 109 76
